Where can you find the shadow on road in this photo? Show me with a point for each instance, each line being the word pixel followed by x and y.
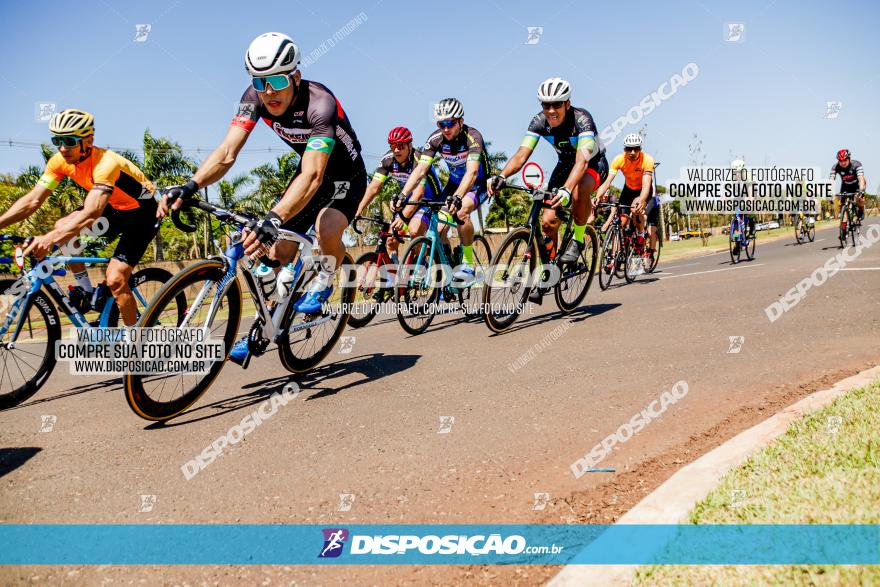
pixel 13 458
pixel 107 385
pixel 578 315
pixel 317 383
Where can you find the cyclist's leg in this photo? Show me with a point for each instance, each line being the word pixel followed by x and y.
pixel 137 230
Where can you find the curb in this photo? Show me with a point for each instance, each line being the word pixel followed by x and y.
pixel 673 501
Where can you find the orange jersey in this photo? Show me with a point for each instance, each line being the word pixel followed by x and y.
pixel 633 170
pixel 110 171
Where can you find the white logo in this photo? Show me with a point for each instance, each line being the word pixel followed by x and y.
pixel 446 423
pixel 541 500
pixel 346 500
pixel 340 189
pixel 534 35
pixel 346 344
pixel 47 423
pixel 832 425
pixel 147 503
pixel 141 32
pixel 736 344
pixel 43 111
pixel 734 32
pixel 737 497
pixel 832 109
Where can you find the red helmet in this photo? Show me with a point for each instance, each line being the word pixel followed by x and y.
pixel 399 134
pixel 843 154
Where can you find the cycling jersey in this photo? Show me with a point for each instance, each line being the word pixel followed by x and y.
pixel 105 170
pixel 314 121
pixel 467 146
pixel 577 130
pixel 849 176
pixel 633 170
pixel 400 172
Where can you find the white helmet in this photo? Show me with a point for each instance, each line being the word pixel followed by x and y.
pixel 271 53
pixel 632 140
pixel 448 108
pixel 554 89
pixel 738 164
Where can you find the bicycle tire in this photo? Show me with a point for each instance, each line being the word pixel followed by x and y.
pixel 20 393
pixel 608 257
pixel 419 247
pixel 139 400
pixel 300 364
pixel 361 320
pixel 750 248
pixel 799 231
pixel 501 261
pixel 587 261
pixel 734 242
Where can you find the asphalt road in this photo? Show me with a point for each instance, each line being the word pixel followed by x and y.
pixel 373 421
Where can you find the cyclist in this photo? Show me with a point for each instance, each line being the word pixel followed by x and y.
pixel 852 181
pixel 741 175
pixel 398 164
pixel 464 151
pixel 328 183
pixel 581 168
pixel 638 173
pixel 117 190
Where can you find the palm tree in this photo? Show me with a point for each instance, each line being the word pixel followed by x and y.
pixel 511 206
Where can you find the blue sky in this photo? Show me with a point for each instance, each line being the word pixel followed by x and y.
pixel 763 98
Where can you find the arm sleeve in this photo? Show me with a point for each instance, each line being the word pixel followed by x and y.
pixel 587 132
pixel 476 146
pixel 430 148
pixel 533 133
pixel 616 163
pixel 52 176
pixel 381 173
pixel 248 110
pixel 323 117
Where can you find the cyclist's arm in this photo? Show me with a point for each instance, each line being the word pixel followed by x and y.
pixel 577 171
pixel 518 160
pixel 370 194
pixel 221 160
pixel 606 184
pixel 25 206
pixel 312 168
pixel 72 224
pixel 418 174
pixel 647 180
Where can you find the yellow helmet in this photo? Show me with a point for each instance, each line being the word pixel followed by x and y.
pixel 78 123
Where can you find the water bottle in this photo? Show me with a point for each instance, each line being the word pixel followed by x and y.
pixel 284 282
pixel 266 279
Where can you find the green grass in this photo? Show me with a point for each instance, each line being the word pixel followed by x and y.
pixel 824 470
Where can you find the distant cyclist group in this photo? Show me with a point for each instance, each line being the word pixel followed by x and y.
pixel 330 188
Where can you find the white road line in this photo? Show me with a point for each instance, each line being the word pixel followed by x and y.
pixel 861 269
pixel 715 270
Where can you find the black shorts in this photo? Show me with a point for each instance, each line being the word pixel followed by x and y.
pixel 135 229
pixel 335 192
pixel 653 212
pixel 598 168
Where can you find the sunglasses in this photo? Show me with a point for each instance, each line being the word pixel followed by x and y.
pixel 631 149
pixel 67 141
pixel 552 105
pixel 277 82
pixel 446 123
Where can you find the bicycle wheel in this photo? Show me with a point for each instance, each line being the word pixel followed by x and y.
pixel 811 231
pixel 201 286
pixel 26 366
pixel 507 282
pixel 610 251
pixel 654 259
pixel 418 287
pixel 308 338
pixel 750 247
pixel 577 277
pixel 144 286
pixel 854 232
pixel 734 242
pixel 365 304
pixel 799 230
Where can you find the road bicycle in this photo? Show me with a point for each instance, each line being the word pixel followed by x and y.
pixel 424 279
pixel 30 324
pixel 849 223
pixel 214 302
pixel 624 255
pixel 373 286
pixel 804 228
pixel 740 237
pixel 512 275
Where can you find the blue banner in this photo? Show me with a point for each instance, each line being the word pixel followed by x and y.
pixel 439 544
